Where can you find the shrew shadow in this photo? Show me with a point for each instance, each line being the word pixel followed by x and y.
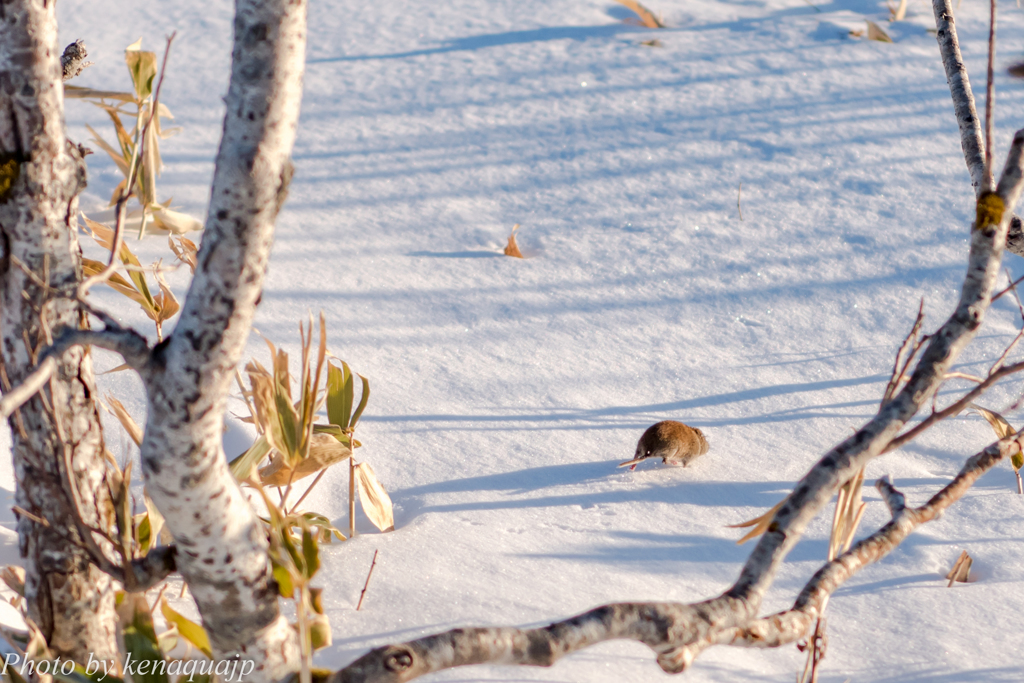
pixel 522 489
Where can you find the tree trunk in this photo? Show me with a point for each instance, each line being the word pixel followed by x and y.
pixel 222 546
pixel 41 175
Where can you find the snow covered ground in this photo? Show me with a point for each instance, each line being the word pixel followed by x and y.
pixel 505 391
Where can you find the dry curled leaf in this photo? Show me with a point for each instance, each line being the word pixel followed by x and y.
pixel 512 249
pixel 376 501
pixel 324 451
pixel 760 524
pixel 126 420
pixel 647 17
pixel 876 32
pixel 185 250
pixel 961 571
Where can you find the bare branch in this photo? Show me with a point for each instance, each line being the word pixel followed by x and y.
pixel 132 346
pixel 960 88
pixel 910 346
pixel 794 624
pixel 953 409
pixel 990 96
pixel 971 139
pixel 18 396
pixel 895 500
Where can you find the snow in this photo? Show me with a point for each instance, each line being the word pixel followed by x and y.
pixel 505 391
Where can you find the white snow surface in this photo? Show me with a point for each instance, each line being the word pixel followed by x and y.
pixel 505 391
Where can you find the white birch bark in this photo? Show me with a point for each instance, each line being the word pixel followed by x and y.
pixel 71 600
pixel 222 547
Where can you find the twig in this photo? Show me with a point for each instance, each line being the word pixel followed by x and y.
pixel 35 518
pixel 37 379
pixel 789 626
pixel 953 409
pixel 990 97
pixel 306 492
pixel 365 585
pixel 960 89
pixel 351 493
pixel 899 367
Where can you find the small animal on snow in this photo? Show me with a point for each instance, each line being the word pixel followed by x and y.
pixel 675 443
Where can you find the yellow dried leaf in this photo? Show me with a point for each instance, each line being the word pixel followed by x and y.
pixel 126 420
pixel 174 222
pixel 324 451
pixel 512 249
pixel 760 524
pixel 647 17
pixel 876 32
pixel 185 250
pixel 999 424
pixel 375 500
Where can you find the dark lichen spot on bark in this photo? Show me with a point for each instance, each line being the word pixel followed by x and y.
pixel 222 214
pixel 10 169
pixel 257 33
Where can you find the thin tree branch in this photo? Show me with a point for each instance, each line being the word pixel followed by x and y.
pixel 132 346
pixel 954 408
pixel 903 360
pixel 971 139
pixel 990 96
pixel 18 396
pixel 794 624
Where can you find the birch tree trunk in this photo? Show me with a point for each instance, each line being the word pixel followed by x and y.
pixel 41 174
pixel 222 546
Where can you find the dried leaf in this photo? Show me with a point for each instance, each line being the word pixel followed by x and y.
pixel 242 466
pixel 14 577
pixel 117 157
pixel 375 500
pixel 185 250
pixel 512 248
pixel 760 524
pixel 876 32
pixel 159 530
pixel 961 571
pixel 898 13
pixel 189 630
pixel 126 420
pixel 174 222
pixel 168 305
pixel 647 17
pixel 999 424
pixel 78 93
pixel 324 451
